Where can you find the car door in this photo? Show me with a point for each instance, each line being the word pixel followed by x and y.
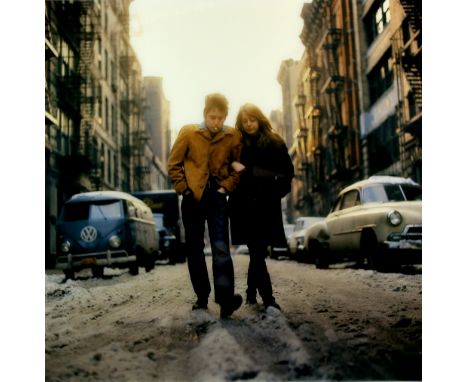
pixel 343 229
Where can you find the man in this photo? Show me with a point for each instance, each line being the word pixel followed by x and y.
pixel 200 168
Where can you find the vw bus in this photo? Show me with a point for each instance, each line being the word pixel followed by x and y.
pixel 165 206
pixel 106 229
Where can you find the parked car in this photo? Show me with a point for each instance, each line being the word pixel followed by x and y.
pixel 296 238
pixel 242 250
pixel 276 252
pixel 167 240
pixel 172 234
pixel 377 220
pixel 105 228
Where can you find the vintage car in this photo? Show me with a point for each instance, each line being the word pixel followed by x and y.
pixel 377 220
pixel 165 206
pixel 106 229
pixel 277 251
pixel 296 238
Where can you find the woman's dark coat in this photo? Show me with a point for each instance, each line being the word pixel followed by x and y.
pixel 255 205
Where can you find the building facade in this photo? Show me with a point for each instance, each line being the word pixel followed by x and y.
pixel 391 119
pixel 95 134
pixel 157 113
pixel 328 103
pixel 358 97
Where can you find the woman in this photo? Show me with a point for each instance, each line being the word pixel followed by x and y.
pixel 255 207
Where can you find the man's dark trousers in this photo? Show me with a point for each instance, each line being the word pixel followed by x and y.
pixel 213 209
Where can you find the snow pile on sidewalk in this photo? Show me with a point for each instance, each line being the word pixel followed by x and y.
pixel 231 349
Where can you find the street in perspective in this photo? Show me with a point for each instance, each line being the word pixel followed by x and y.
pixel 233 197
pixel 342 323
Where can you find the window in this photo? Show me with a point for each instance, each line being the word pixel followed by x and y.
pixel 381 77
pixel 104 209
pixel 383 147
pixel 350 199
pixel 337 204
pixel 113 122
pixel 107 114
pixel 116 172
pixel 99 98
pixel 412 192
pixel 376 20
pixel 106 64
pixel 391 193
pixel 109 165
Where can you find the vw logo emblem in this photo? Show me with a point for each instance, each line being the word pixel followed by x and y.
pixel 88 233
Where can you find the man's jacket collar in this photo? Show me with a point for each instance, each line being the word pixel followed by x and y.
pixel 203 130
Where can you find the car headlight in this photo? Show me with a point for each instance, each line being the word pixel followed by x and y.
pixel 114 241
pixel 394 218
pixel 65 247
pixel 300 240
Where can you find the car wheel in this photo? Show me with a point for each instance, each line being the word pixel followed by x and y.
pixel 134 269
pixel 69 274
pixel 320 255
pixel 370 250
pixel 97 271
pixel 149 264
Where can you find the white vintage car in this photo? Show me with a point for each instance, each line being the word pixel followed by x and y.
pixel 377 220
pixel 296 238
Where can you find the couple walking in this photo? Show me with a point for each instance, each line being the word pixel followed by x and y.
pixel 250 164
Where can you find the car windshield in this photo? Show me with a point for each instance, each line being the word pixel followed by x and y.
pixel 100 210
pixel 391 193
pixel 158 219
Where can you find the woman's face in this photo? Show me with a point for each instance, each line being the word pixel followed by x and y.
pixel 250 124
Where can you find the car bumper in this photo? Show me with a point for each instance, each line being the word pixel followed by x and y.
pixel 404 253
pixel 85 260
pixel 404 244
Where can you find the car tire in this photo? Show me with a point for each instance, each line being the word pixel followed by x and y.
pixel 134 268
pixel 149 263
pixel 97 271
pixel 370 250
pixel 320 255
pixel 69 274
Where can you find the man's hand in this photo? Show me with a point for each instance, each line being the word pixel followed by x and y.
pixel 188 192
pixel 237 166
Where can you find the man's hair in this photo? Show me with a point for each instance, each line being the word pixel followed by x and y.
pixel 216 101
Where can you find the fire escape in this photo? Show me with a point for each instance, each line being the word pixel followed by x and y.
pixel 125 66
pixel 90 29
pixel 333 89
pixel 407 55
pixel 63 93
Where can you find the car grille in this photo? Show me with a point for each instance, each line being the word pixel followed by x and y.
pixel 412 232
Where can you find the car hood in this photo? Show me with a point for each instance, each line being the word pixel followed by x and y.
pixel 411 211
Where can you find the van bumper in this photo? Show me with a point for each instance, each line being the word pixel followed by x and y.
pixel 85 260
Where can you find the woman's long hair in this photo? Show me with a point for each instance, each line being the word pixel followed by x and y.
pixel 265 131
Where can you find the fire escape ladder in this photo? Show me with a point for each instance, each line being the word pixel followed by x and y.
pixel 333 88
pixel 90 28
pixel 413 10
pixel 411 64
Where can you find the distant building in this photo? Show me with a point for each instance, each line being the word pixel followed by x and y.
pixel 287 78
pixel 157 113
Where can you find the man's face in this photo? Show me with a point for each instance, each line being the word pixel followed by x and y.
pixel 214 120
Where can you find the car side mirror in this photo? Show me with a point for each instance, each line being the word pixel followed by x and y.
pixel 131 211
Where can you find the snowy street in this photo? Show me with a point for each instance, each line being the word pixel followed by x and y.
pixel 335 324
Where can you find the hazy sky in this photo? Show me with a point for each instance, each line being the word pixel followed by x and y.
pixel 230 46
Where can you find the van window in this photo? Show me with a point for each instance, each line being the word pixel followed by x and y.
pixel 99 210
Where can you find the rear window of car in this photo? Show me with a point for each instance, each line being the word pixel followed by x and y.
pixel 101 210
pixel 391 193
